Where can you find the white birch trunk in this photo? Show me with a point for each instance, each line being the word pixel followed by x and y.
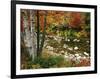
pixel 30 37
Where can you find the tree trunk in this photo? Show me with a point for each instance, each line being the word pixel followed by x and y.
pixel 38 53
pixel 43 36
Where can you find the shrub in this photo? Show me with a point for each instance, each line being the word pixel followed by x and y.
pixel 51 61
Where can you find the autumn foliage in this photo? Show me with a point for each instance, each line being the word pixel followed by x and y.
pixel 76 19
pixel 57 35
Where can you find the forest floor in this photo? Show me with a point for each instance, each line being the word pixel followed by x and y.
pixel 72 49
pixel 75 51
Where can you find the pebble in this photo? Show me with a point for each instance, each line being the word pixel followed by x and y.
pixel 83 57
pixel 75 48
pixel 76 55
pixel 78 40
pixel 75 40
pixel 87 41
pixel 62 52
pixel 79 57
pixel 71 56
pixel 70 48
pixel 68 40
pixel 86 53
pixel 55 38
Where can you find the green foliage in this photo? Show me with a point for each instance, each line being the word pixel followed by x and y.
pixel 87 18
pixel 48 62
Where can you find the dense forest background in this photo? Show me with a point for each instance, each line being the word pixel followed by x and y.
pixel 52 39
